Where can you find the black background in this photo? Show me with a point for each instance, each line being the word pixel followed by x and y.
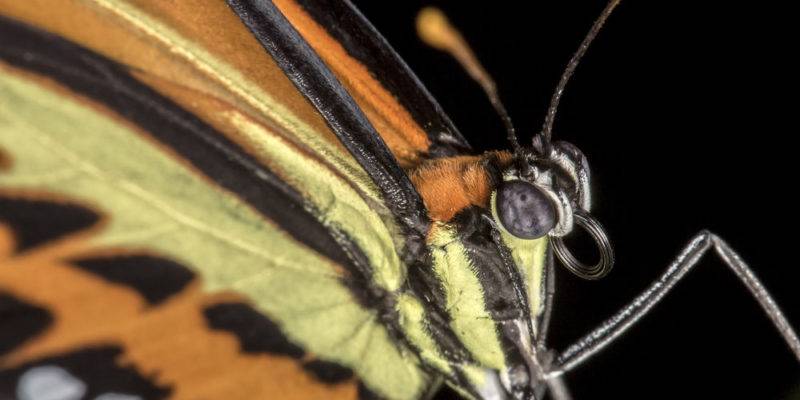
pixel 685 111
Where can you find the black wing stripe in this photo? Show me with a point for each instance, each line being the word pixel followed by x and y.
pixel 155 279
pixel 258 334
pixel 362 41
pixel 208 150
pixel 318 84
pixel 21 322
pixel 255 332
pixel 35 222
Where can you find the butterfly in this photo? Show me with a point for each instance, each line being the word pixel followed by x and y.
pixel 260 199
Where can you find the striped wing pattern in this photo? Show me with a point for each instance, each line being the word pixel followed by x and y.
pixel 223 216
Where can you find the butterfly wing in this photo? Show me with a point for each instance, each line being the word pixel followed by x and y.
pixel 174 207
pixel 407 117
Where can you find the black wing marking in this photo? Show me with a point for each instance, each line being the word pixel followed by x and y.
pixel 318 84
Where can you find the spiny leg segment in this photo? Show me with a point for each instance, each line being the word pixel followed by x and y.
pixel 619 323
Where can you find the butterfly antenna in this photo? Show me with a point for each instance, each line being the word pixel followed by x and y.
pixel 436 31
pixel 547 127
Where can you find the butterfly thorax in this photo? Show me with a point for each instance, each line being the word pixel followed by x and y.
pixel 489 256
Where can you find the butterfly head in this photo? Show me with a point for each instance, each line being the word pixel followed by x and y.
pixel 542 197
pixel 541 191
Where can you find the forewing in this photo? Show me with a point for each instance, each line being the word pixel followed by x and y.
pixel 195 154
pixel 407 117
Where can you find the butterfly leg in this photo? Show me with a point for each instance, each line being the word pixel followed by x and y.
pixel 558 389
pixel 620 322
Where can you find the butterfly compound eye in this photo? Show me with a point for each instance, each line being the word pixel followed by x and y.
pixel 524 210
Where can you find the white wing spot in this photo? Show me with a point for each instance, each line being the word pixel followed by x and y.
pixel 49 383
